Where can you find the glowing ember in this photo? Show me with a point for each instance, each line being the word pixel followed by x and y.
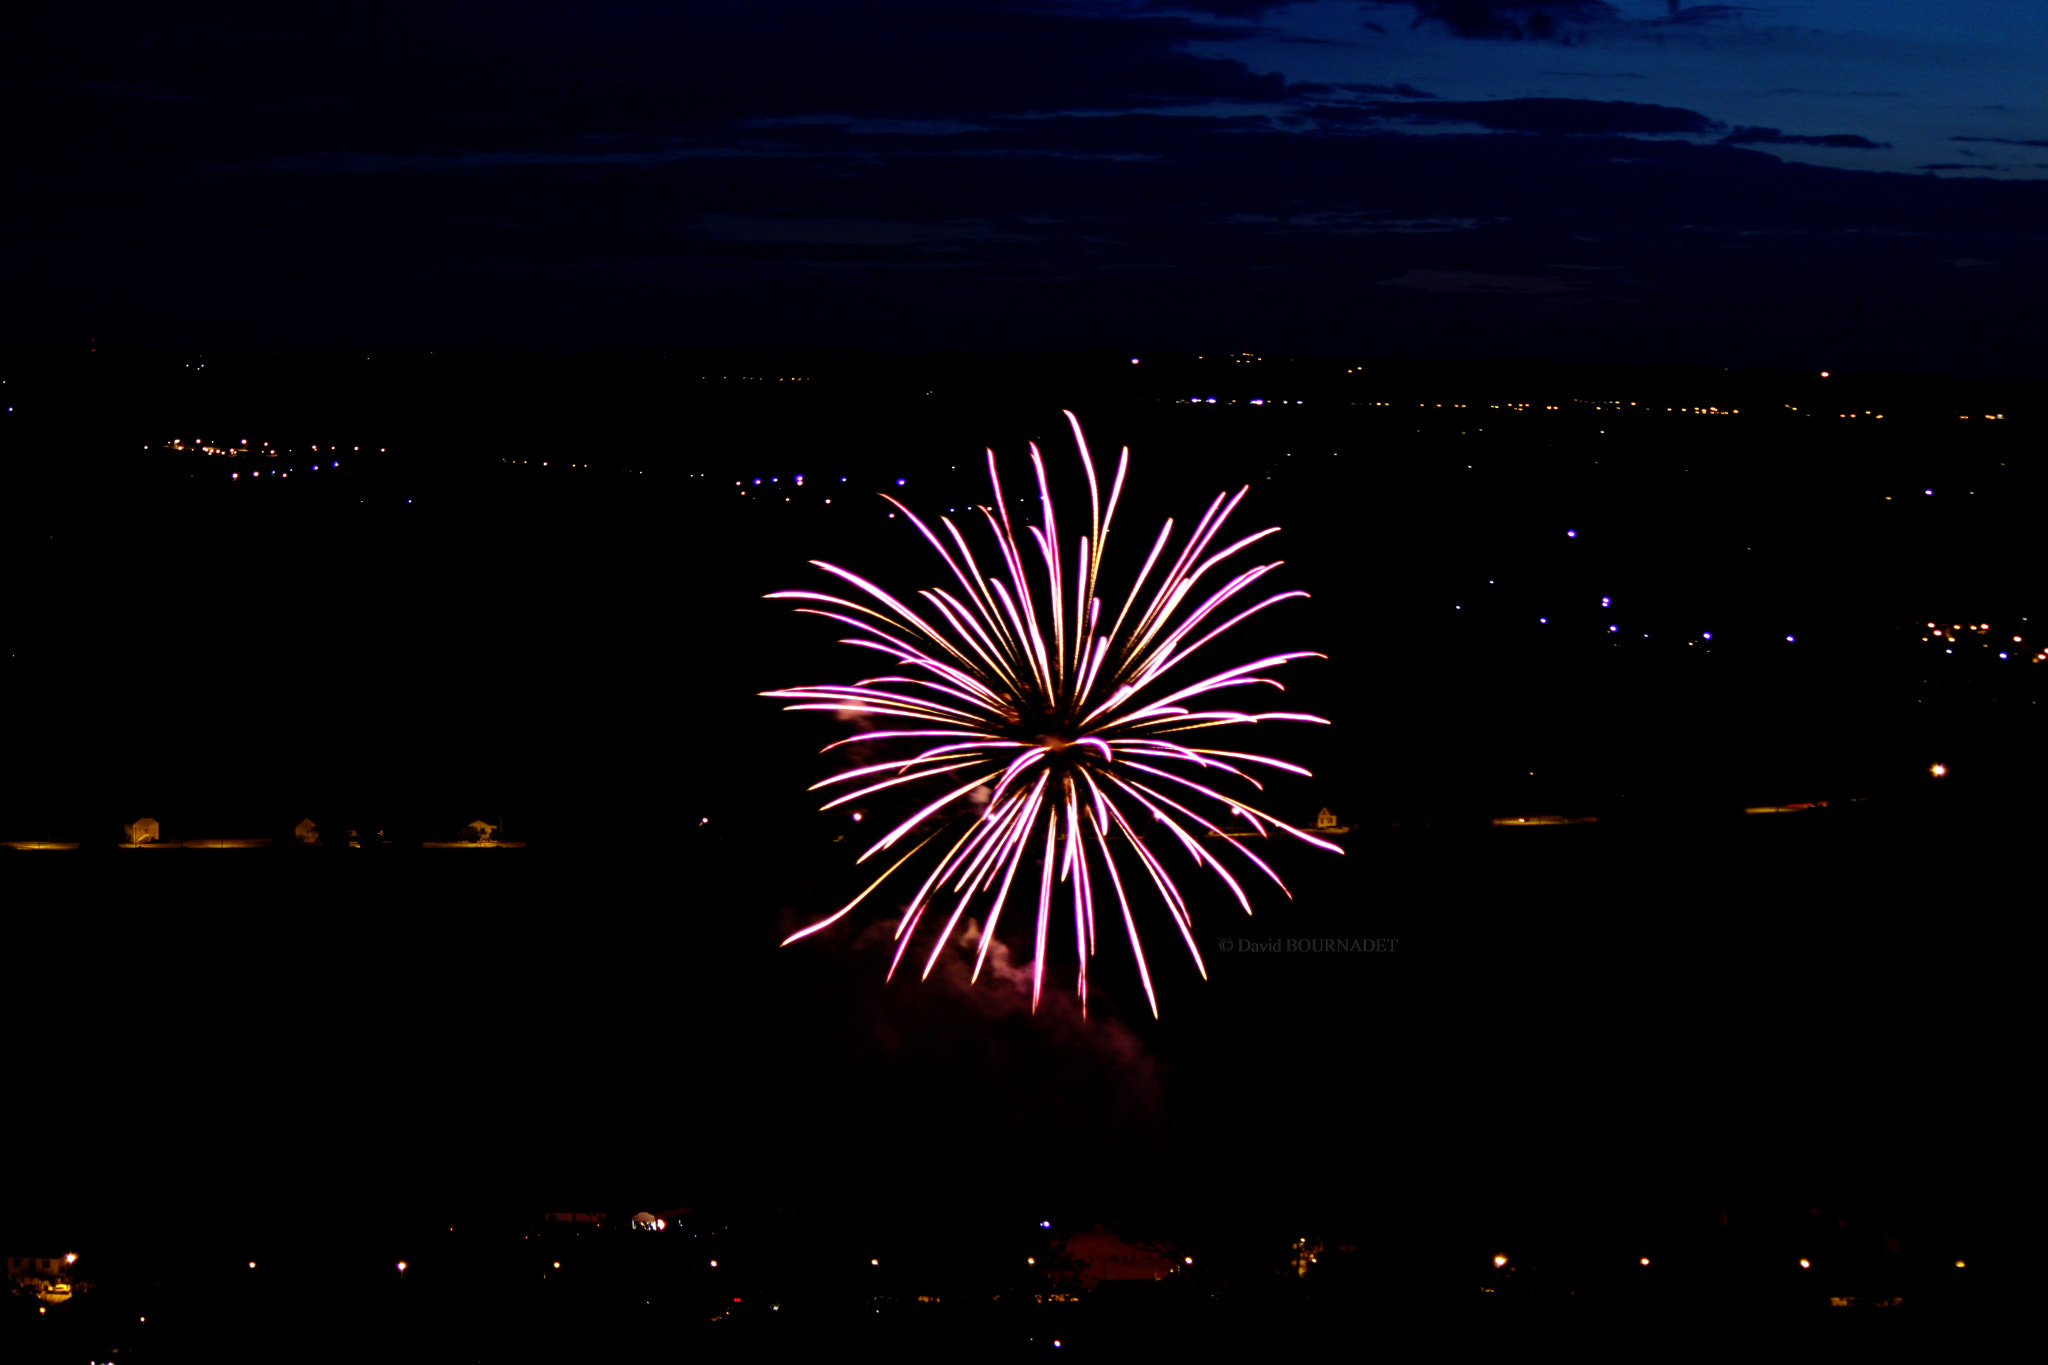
pixel 1056 725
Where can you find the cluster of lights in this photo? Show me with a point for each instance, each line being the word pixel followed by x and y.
pixel 198 446
pixel 1954 634
pixel 1252 402
pixel 771 484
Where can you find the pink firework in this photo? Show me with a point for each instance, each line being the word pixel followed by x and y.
pixel 1056 730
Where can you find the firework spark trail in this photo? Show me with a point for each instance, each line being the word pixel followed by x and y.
pixel 1046 713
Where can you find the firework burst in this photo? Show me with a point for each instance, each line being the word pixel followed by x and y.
pixel 1054 727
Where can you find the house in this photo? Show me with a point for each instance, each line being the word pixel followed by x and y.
pixel 143 831
pixel 48 1277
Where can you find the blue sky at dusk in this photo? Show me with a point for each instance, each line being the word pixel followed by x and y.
pixel 1819 184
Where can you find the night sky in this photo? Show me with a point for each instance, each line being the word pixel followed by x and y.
pixel 1821 185
pixel 220 216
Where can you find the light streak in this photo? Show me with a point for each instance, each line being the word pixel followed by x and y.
pixel 1051 718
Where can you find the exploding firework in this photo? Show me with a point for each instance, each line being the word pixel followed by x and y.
pixel 1053 729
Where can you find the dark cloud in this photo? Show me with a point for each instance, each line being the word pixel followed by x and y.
pixel 980 174
pixel 2007 141
pixel 1401 88
pixel 1700 14
pixel 453 75
pixel 1226 9
pixel 1554 116
pixel 1559 21
pixel 1541 20
pixel 1773 136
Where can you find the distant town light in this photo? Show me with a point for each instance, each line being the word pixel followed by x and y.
pixel 1805 1264
pixel 1500 1261
pixel 1939 770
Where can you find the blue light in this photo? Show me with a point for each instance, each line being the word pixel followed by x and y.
pixel 899 483
pixel 1573 535
pixel 1612 629
pixel 1788 639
